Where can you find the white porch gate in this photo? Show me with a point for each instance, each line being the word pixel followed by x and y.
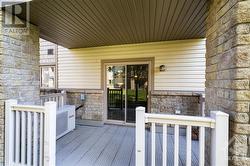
pixel 30 134
pixel 218 122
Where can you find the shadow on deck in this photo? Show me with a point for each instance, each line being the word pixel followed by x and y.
pixel 113 145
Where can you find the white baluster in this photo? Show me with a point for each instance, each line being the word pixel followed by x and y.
pixel 164 145
pixel 176 145
pixel 17 137
pixel 41 139
pixel 153 145
pixel 23 139
pixel 189 143
pixel 202 146
pixel 35 141
pixel 29 140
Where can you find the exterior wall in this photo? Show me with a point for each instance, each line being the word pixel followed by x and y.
pixel 19 72
pixel 91 108
pixel 184 60
pixel 185 71
pixel 171 102
pixel 46 59
pixel 228 71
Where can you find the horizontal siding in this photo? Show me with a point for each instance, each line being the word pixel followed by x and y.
pixel 184 59
pixel 46 59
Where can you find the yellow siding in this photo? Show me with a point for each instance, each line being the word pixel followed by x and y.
pixel 184 60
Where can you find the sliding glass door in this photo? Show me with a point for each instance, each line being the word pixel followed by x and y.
pixel 115 92
pixel 127 88
pixel 137 89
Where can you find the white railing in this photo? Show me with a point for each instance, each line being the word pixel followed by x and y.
pixel 30 134
pixel 59 98
pixel 218 122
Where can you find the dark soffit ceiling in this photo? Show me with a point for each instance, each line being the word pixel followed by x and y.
pixel 91 23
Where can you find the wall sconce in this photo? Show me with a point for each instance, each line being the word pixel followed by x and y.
pixel 162 68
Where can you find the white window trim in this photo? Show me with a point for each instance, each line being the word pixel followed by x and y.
pixel 55 75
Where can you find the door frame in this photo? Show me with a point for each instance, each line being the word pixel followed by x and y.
pixel 131 61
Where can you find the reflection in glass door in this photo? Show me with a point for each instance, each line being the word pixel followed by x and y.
pixel 127 88
pixel 115 92
pixel 137 89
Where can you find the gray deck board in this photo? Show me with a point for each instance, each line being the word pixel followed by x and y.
pixel 195 152
pixel 62 142
pixel 86 146
pixel 108 154
pixel 170 150
pixel 126 147
pixel 92 155
pixel 148 148
pixel 112 145
pixel 132 158
pixel 158 150
pixel 70 147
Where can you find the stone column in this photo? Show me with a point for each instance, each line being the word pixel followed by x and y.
pixel 19 71
pixel 228 71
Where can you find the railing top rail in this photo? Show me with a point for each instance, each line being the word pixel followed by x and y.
pixel 28 108
pixel 180 120
pixel 52 95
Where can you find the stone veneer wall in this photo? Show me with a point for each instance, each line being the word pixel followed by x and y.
pixel 19 72
pixel 168 102
pixel 92 106
pixel 228 71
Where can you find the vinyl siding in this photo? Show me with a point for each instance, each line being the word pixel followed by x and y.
pixel 46 59
pixel 184 60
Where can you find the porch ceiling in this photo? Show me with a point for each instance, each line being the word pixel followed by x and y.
pixel 89 23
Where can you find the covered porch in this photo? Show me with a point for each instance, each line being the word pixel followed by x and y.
pixel 92 32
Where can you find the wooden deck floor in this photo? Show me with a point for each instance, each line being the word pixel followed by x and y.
pixel 113 145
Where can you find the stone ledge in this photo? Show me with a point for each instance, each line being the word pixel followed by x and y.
pixel 85 91
pixel 176 93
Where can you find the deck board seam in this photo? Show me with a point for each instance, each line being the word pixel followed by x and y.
pixel 92 145
pixel 105 147
pixel 119 146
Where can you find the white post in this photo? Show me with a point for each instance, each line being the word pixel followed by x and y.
pixel 140 137
pixel 63 97
pixel 202 104
pixel 219 139
pixel 9 132
pixel 50 134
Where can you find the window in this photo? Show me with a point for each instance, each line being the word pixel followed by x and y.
pixel 50 51
pixel 48 77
